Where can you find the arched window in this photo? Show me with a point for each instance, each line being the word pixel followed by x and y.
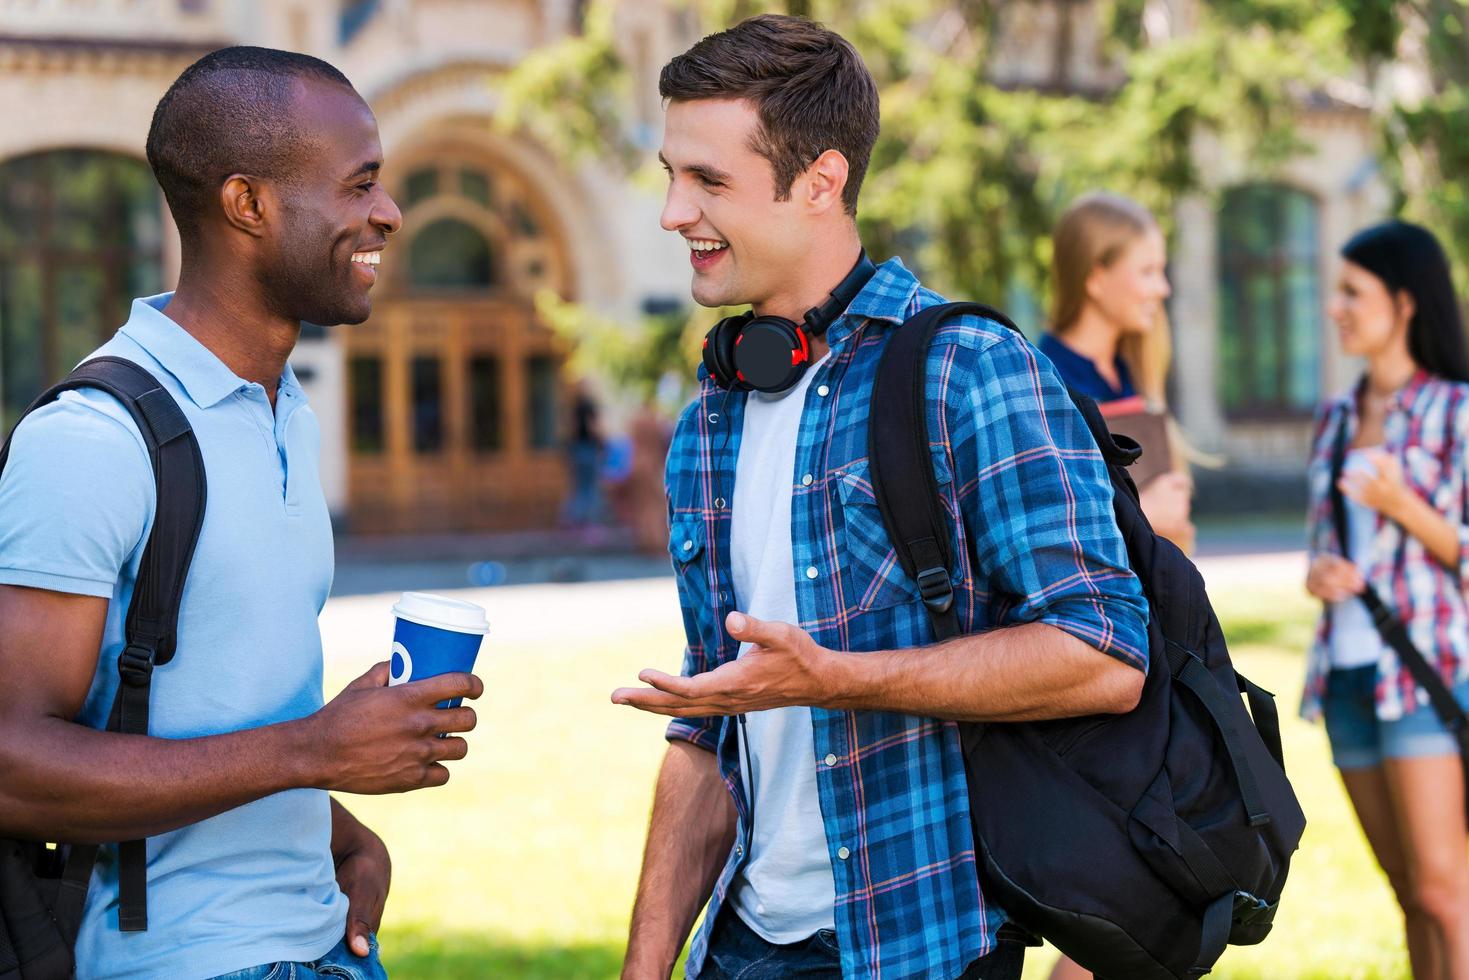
pixel 450 254
pixel 1269 302
pixel 81 235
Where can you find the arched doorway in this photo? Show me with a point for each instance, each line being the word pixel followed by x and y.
pixel 453 384
pixel 81 234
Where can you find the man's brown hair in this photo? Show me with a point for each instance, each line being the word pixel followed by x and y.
pixel 808 85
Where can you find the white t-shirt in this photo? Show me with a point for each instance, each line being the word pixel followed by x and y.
pixel 785 891
pixel 1355 641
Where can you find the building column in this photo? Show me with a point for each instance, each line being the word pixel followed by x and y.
pixel 1195 323
pixel 1363 200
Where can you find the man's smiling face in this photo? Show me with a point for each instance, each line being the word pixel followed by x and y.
pixel 722 199
pixel 324 251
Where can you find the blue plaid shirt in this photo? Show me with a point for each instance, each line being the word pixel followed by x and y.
pixel 1030 509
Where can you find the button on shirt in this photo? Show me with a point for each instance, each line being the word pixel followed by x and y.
pixel 1031 517
pixel 254 884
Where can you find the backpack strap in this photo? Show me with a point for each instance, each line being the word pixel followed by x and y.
pixel 902 474
pixel 1190 671
pixel 1392 629
pixel 907 495
pixel 1265 716
pixel 151 630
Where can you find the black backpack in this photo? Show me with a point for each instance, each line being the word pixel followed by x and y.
pixel 1138 844
pixel 43 886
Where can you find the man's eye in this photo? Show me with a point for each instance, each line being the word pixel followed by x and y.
pixel 710 182
pixel 364 188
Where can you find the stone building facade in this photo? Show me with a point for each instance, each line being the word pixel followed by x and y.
pixel 1253 257
pixel 444 411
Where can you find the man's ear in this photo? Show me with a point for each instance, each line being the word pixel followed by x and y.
pixel 245 200
pixel 825 181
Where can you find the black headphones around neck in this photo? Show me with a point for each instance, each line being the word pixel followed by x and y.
pixel 770 353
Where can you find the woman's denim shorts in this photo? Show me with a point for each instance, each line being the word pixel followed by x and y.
pixel 1359 740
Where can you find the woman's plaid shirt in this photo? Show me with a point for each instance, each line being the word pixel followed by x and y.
pixel 1427 429
pixel 1030 507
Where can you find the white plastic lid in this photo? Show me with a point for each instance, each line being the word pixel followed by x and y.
pixel 442 612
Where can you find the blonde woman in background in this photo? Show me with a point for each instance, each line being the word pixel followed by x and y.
pixel 1109 330
pixel 1109 339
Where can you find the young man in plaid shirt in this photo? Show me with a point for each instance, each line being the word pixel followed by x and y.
pixel 814 791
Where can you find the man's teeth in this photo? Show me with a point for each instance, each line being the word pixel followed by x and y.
pixel 367 258
pixel 706 245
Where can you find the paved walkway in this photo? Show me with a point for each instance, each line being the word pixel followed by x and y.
pixel 561 617
pixel 1284 570
pixel 436 562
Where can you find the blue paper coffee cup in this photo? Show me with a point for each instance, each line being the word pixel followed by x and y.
pixel 435 635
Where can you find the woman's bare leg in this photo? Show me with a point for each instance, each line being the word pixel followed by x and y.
pixel 1428 800
pixel 1372 800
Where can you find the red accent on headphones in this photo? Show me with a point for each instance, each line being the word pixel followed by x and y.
pixel 802 355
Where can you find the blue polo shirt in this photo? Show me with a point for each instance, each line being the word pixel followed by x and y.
pixel 255 884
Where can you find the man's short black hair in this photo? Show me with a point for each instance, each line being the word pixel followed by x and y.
pixel 228 113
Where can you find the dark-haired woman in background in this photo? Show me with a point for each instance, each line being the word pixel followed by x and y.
pixel 1407 507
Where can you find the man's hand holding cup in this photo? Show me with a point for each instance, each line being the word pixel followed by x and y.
pixel 392 729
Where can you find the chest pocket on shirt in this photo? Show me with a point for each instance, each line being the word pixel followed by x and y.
pixel 686 538
pixel 874 578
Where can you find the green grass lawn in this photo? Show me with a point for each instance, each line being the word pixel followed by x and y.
pixel 525 864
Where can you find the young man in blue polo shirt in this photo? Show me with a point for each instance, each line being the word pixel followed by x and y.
pixel 269 163
pixel 828 828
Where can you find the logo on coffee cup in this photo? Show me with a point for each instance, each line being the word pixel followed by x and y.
pixel 401 668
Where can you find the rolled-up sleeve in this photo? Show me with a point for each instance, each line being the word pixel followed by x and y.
pixel 1039 504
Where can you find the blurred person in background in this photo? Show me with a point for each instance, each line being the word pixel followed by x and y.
pixel 584 447
pixel 1109 337
pixel 1404 431
pixel 651 434
pixel 1109 340
pixel 634 479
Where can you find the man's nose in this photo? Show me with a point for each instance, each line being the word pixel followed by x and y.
pixel 386 215
pixel 678 211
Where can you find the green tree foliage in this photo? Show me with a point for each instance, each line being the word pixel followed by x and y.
pixel 970 172
pixel 1419 53
pixel 648 359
